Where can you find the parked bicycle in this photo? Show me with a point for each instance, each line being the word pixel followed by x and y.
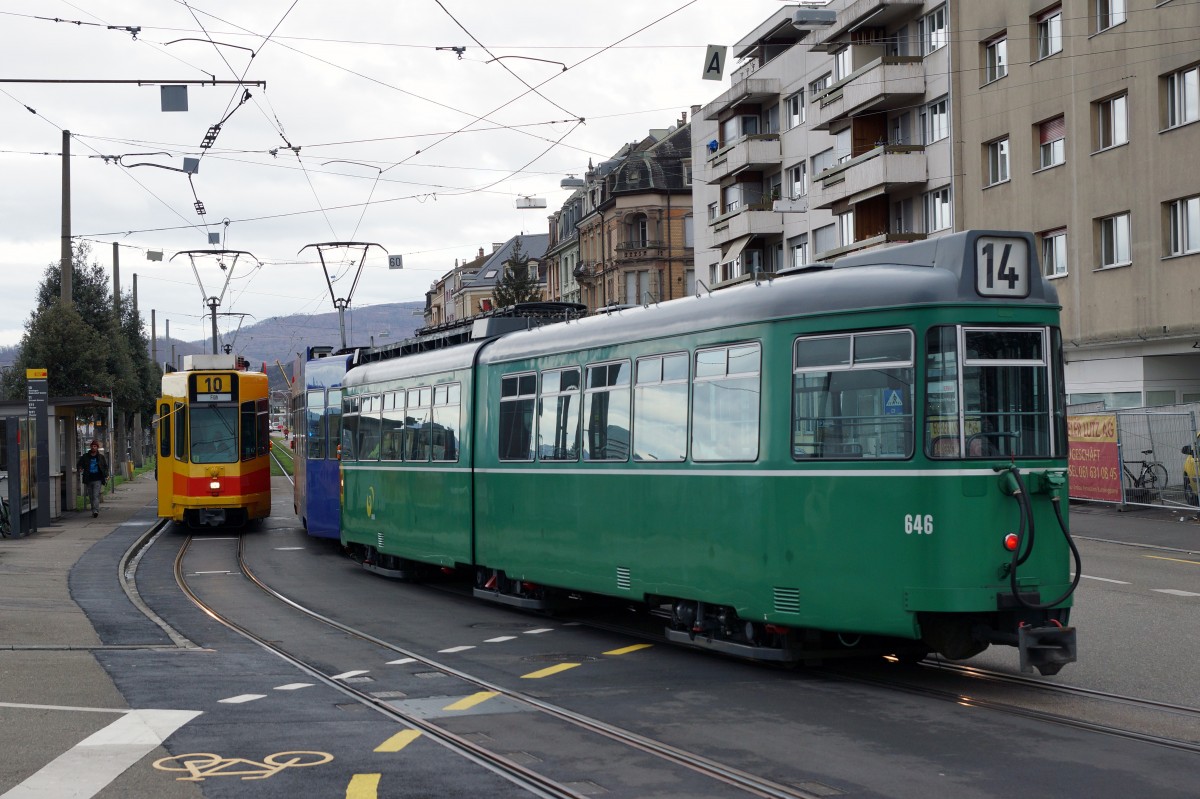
pixel 1150 480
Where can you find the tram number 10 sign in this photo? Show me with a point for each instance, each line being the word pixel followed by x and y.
pixel 209 387
pixel 1001 267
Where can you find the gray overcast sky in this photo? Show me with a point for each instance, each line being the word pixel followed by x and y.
pixel 356 81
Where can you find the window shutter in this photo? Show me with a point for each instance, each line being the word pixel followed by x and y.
pixel 1053 129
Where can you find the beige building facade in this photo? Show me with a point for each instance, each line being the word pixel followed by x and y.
pixel 895 120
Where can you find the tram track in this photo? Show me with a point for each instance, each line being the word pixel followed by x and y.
pixel 742 782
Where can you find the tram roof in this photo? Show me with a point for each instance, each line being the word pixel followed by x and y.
pixel 932 272
pixel 937 271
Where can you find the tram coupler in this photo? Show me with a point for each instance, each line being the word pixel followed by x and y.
pixel 1047 649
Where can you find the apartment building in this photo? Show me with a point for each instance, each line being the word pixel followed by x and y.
pixel 634 234
pixel 896 120
pixel 1079 120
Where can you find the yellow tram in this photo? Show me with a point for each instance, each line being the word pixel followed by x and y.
pixel 214 443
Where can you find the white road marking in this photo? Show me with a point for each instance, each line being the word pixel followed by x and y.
pixel 66 707
pixel 292 686
pixel 401 660
pixel 346 674
pixel 237 700
pixel 1174 592
pixel 88 767
pixel 500 639
pixel 223 572
pixel 288 549
pixel 1104 579
pixel 206 538
pixel 539 630
pixel 455 649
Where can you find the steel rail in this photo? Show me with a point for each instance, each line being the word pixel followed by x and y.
pixel 729 775
pixel 510 770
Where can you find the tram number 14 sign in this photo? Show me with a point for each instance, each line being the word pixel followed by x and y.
pixel 1001 267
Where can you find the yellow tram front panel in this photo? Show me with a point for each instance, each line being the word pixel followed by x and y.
pixel 214 444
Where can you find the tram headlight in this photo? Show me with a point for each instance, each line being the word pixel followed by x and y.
pixel 215 487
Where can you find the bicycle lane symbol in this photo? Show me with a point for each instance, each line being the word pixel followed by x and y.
pixel 202 765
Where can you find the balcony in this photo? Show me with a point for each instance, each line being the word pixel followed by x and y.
pixel 877 171
pixel 869 242
pixel 750 90
pixel 640 250
pixel 756 219
pixel 884 84
pixel 863 14
pixel 756 152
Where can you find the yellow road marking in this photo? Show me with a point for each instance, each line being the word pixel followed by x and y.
pixel 363 786
pixel 471 701
pixel 626 650
pixel 537 675
pixel 1177 560
pixel 398 741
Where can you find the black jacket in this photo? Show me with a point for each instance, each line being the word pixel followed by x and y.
pixel 93 467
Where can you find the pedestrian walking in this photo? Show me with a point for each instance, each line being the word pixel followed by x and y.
pixel 94 467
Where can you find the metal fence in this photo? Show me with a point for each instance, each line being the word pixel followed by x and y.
pixel 1149 444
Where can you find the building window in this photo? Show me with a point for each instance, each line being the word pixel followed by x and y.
pixel 1114 241
pixel 771 119
pixel 1049 33
pixel 842 66
pixel 935 121
pixel 822 161
pixel 1112 125
pixel 843 147
pixel 732 197
pixel 795 110
pixel 820 84
pixel 798 247
pixel 1183 97
pixel 689 231
pixel 798 180
pixel 1185 226
pixel 687 172
pixel 637 232
pixel 934 32
pixel 937 210
pixel 713 211
pixel 1054 252
pixel 1052 142
pixel 995 59
pixel 1109 13
pixel 997 162
pixel 845 223
pixel 825 238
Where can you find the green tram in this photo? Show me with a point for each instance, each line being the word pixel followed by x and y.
pixel 845 458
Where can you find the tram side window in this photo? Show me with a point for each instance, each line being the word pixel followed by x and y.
pixel 444 432
pixel 248 444
pixel 350 411
pixel 264 427
pixel 725 408
pixel 518 395
pixel 314 424
pixel 853 396
pixel 606 412
pixel 1006 408
pixel 333 413
pixel 417 421
pixel 558 416
pixel 181 453
pixel 367 445
pixel 391 434
pixel 164 430
pixel 660 409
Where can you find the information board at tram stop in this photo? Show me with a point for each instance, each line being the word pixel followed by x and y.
pixel 1095 463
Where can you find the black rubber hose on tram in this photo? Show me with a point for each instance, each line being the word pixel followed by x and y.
pixel 1026 512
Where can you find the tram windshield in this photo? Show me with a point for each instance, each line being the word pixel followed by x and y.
pixel 214 434
pixel 1003 405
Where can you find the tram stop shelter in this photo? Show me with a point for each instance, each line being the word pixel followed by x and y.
pixel 62 415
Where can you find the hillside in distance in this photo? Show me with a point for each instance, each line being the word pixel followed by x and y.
pixel 283 338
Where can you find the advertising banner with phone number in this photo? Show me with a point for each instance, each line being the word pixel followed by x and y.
pixel 1095 464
